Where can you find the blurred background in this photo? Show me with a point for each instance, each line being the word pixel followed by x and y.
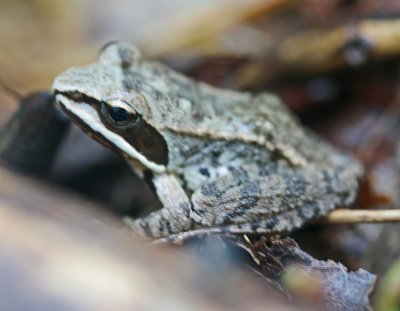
pixel 335 63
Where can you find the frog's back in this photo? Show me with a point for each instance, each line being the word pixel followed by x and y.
pixel 225 115
pixel 253 124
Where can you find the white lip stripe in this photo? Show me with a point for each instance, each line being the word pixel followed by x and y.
pixel 116 140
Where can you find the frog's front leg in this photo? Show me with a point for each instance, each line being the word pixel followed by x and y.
pixel 172 218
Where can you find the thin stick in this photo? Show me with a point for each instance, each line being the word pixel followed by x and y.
pixel 10 91
pixel 348 216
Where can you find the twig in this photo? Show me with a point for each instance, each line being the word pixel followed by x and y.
pixel 10 91
pixel 348 216
pixel 187 29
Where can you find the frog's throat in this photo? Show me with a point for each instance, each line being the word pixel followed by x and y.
pixel 87 118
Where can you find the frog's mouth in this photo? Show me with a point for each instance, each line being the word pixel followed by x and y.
pixel 82 110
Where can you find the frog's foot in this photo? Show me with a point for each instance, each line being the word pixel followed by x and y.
pixel 172 218
pixel 161 223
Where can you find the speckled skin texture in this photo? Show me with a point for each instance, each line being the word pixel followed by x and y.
pixel 222 161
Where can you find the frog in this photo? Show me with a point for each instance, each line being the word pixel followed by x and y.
pixel 220 161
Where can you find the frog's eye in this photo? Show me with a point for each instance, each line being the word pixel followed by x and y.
pixel 119 114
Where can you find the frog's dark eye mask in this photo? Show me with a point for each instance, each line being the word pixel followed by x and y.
pixel 117 125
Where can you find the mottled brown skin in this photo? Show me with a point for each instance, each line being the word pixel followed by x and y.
pixel 222 161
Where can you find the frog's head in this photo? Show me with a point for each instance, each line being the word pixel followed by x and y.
pixel 108 100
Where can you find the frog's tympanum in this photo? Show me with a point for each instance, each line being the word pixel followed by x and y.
pixel 221 161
